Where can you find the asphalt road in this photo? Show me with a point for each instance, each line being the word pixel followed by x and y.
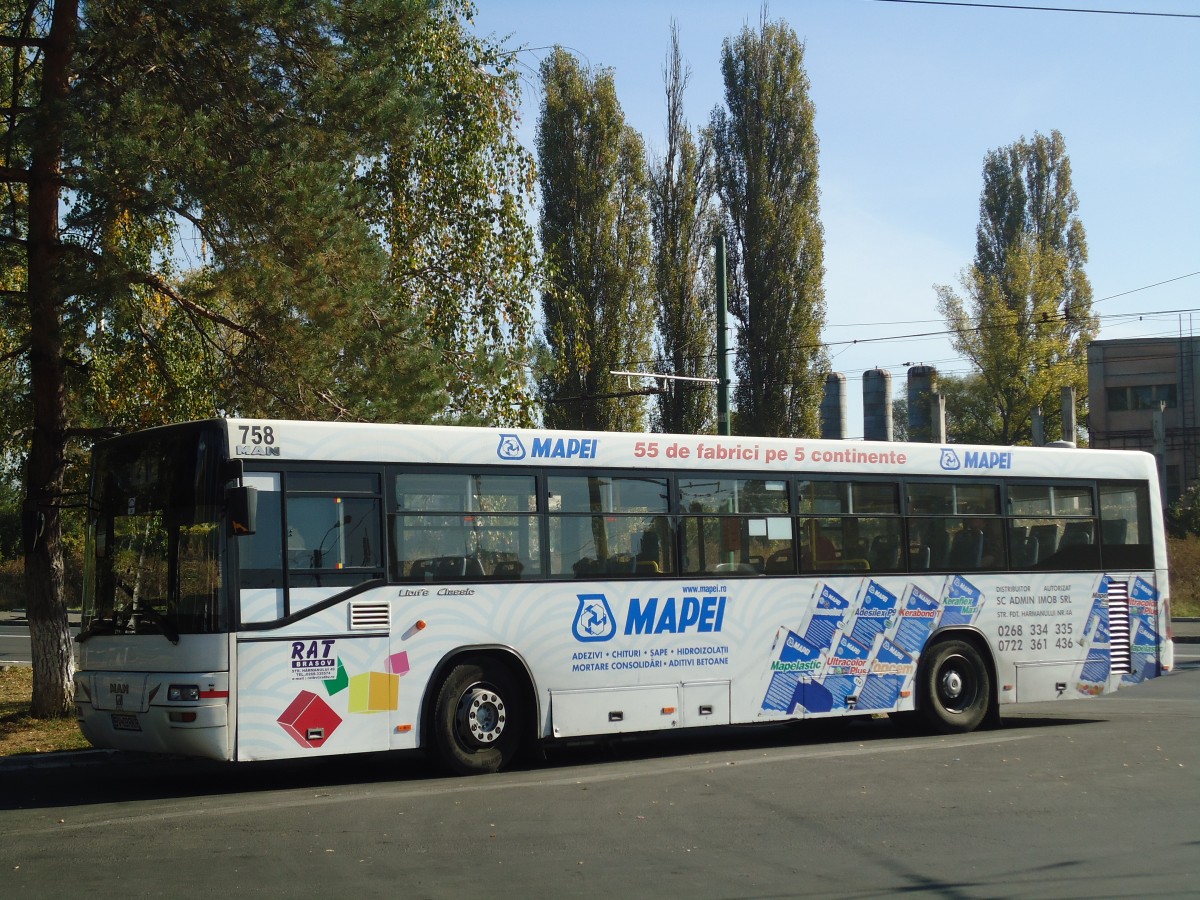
pixel 14 643
pixel 1091 798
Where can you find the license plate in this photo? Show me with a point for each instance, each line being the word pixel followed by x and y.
pixel 125 722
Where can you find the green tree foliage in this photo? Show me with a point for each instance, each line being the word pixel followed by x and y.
pixel 595 234
pixel 237 141
pixel 1183 518
pixel 683 220
pixel 452 198
pixel 1025 317
pixel 261 158
pixel 969 409
pixel 765 159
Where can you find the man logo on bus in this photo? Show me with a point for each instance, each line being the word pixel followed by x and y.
pixel 594 619
pixel 950 460
pixel 510 447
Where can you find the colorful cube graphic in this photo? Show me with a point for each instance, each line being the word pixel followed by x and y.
pixel 374 692
pixel 398 663
pixel 339 682
pixel 309 720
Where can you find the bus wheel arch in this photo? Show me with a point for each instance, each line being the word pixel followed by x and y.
pixel 956 683
pixel 479 711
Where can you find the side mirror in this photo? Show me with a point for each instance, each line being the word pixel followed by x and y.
pixel 241 510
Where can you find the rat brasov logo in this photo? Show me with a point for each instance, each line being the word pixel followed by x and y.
pixel 594 619
pixel 950 461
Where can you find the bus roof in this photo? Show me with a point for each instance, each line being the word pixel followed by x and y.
pixel 282 440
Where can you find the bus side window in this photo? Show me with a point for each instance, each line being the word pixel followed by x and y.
pixel 609 525
pixel 1052 526
pixel 1125 541
pixel 848 526
pixel 464 526
pixel 334 530
pixel 736 526
pixel 332 533
pixel 260 555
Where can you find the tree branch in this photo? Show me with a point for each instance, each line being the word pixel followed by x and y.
pixel 155 282
pixel 19 42
pixel 95 434
pixel 9 175
pixel 19 350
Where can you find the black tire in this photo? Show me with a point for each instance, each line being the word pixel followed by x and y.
pixel 954 688
pixel 477 718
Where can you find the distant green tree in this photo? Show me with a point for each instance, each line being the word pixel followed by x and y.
pixel 684 221
pixel 1183 518
pixel 765 160
pixel 900 416
pixel 594 226
pixel 969 409
pixel 1025 316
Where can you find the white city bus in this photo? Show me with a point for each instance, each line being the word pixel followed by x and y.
pixel 274 589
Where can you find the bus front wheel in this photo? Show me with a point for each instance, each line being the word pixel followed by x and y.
pixel 476 718
pixel 955 688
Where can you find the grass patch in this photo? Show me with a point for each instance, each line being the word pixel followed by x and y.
pixel 1183 556
pixel 19 731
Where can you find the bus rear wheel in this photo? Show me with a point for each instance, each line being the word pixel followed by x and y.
pixel 955 688
pixel 477 719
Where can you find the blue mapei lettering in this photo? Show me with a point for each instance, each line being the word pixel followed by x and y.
pixel 564 448
pixel 701 615
pixel 988 459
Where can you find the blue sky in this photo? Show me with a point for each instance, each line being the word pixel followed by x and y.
pixel 909 99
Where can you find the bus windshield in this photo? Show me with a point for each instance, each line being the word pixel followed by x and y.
pixel 153 562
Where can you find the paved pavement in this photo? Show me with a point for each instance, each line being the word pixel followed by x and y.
pixel 1186 631
pixel 17 617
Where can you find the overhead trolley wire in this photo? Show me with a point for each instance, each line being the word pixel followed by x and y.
pixel 1065 9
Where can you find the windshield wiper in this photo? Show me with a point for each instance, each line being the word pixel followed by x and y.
pixel 159 619
pixel 96 626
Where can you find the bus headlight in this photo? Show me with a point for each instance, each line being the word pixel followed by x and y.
pixel 183 692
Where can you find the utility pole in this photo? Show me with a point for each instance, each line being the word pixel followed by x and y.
pixel 722 341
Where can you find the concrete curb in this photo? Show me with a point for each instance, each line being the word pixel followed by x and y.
pixel 62 759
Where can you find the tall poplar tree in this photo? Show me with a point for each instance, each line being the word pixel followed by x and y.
pixel 594 226
pixel 1025 316
pixel 765 158
pixel 684 221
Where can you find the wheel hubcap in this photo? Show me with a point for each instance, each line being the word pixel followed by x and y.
pixel 481 715
pixel 956 686
pixel 952 685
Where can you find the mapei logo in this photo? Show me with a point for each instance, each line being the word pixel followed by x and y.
pixel 988 459
pixel 594 619
pixel 976 459
pixel 510 447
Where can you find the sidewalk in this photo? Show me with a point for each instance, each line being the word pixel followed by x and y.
pixel 17 617
pixel 1187 631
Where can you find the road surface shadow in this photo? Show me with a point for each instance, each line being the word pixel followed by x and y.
pixel 87 779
